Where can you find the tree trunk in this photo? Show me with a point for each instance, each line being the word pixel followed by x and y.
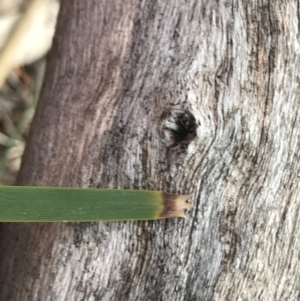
pixel 183 96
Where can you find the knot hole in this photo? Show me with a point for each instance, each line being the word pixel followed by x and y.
pixel 180 127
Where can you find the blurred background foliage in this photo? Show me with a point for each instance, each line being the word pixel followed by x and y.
pixel 26 32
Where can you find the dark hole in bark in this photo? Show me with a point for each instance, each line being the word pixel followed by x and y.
pixel 180 127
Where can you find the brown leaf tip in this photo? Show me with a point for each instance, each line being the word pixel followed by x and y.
pixel 175 205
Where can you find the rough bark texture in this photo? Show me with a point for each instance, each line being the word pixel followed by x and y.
pixel 184 96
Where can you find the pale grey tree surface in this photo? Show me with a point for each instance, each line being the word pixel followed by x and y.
pixel 183 96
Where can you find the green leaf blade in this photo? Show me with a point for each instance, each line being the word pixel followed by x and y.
pixel 75 204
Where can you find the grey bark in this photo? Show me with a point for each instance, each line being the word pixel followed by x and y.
pixel 184 96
